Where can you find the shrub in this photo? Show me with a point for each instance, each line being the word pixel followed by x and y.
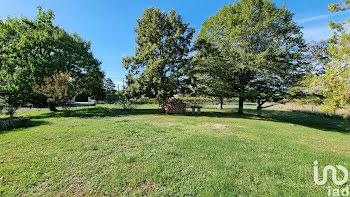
pixel 59 89
pixel 10 103
pixel 126 104
pixel 113 98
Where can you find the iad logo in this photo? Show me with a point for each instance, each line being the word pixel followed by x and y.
pixel 334 174
pixel 333 191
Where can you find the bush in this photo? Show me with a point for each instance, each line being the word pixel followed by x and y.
pixel 113 98
pixel 126 104
pixel 9 104
pixel 59 88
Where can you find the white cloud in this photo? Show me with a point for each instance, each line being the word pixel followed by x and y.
pixel 314 18
pixel 320 17
pixel 317 33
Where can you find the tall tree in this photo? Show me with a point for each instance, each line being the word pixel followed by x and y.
pixel 34 49
pixel 334 82
pixel 109 85
pixel 158 68
pixel 261 47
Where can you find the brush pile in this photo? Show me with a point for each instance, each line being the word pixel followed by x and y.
pixel 174 106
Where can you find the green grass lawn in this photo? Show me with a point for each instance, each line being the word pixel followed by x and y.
pixel 106 151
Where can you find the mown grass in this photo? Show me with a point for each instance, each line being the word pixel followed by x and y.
pixel 106 151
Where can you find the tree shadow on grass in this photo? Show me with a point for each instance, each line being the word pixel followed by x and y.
pixel 33 123
pixel 316 121
pixel 99 112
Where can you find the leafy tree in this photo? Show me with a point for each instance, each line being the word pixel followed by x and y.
pixel 59 88
pixel 34 49
pixel 318 57
pixel 261 48
pixel 334 82
pixel 209 78
pixel 157 70
pixel 109 85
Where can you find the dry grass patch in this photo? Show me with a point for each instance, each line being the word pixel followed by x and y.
pixel 148 188
pixel 227 130
pixel 220 126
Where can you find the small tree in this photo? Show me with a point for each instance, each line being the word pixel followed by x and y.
pixel 59 88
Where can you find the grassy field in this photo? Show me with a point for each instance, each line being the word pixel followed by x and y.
pixel 106 151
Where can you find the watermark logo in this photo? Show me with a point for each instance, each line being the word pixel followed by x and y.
pixel 333 170
pixel 334 174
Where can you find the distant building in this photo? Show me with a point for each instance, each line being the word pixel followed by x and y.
pixel 88 101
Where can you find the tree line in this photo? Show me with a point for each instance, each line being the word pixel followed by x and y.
pixel 251 49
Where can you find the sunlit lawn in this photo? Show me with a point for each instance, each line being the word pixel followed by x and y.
pixel 106 151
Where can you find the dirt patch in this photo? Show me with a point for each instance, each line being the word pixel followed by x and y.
pixel 149 188
pixel 220 126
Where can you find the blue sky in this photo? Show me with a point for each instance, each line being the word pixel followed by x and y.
pixel 109 24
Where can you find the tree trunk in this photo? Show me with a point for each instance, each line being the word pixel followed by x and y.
pixel 221 100
pixel 240 105
pixel 161 103
pixel 52 107
pixel 163 109
pixel 259 110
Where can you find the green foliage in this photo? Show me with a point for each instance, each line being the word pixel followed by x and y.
pixel 258 50
pixel 125 103
pixel 10 103
pixel 146 100
pixel 158 68
pixel 109 85
pixel 336 7
pixel 202 99
pixel 334 82
pixel 210 78
pixel 59 88
pixel 34 49
pixel 318 56
pixel 112 98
